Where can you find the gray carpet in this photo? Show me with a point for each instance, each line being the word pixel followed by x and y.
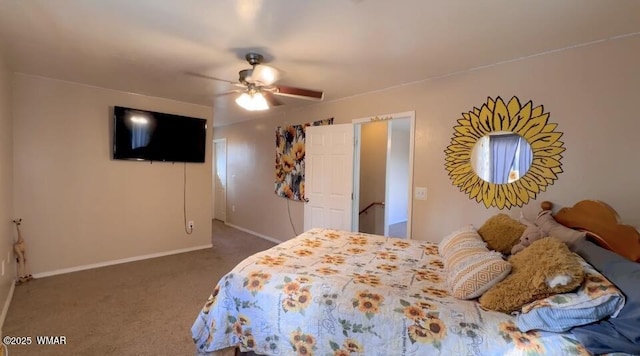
pixel 398 230
pixel 137 308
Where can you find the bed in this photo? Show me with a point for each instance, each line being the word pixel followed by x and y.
pixel 329 292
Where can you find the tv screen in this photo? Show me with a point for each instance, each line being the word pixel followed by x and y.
pixel 154 136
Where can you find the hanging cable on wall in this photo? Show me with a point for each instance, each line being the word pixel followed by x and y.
pixel 188 229
pixel 290 220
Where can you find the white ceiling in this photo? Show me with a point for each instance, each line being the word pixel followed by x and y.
pixel 344 47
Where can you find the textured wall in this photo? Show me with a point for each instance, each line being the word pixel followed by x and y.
pixel 590 91
pixel 7 230
pixel 80 206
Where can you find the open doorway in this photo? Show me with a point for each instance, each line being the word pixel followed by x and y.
pixel 383 162
pixel 220 179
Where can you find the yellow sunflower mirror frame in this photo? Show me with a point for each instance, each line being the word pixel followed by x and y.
pixel 525 120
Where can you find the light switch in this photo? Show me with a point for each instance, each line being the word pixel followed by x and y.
pixel 420 193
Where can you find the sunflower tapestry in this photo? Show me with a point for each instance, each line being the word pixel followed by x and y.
pixel 290 159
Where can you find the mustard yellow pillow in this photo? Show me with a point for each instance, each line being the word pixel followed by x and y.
pixel 501 233
pixel 545 268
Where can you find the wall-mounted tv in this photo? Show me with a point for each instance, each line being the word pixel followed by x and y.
pixel 153 136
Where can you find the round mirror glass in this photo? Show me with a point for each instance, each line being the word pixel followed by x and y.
pixel 501 157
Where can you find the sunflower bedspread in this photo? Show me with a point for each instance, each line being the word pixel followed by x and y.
pixel 330 292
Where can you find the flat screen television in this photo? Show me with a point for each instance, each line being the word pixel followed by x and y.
pixel 153 136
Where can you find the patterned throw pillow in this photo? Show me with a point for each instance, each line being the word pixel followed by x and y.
pixel 472 276
pixel 472 268
pixel 461 255
pixel 465 237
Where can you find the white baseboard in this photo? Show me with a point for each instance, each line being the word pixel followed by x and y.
pixel 117 262
pixel 7 302
pixel 268 238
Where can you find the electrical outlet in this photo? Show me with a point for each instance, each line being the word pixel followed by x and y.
pixel 420 193
pixel 190 224
pixel 233 208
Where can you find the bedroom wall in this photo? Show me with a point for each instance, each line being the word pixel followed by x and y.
pixel 398 199
pixel 590 91
pixel 373 165
pixel 79 206
pixel 7 234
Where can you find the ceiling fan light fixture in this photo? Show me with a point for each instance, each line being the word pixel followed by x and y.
pixel 265 75
pixel 252 102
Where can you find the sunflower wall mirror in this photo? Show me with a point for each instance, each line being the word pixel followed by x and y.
pixel 504 154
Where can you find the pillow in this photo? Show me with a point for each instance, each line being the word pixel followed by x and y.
pixel 620 334
pixel 471 277
pixel 467 236
pixel 545 268
pixel 461 245
pixel 461 254
pixel 501 233
pixel 596 299
pixel 551 227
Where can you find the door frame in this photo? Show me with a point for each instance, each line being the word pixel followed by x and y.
pixel 213 176
pixel 357 123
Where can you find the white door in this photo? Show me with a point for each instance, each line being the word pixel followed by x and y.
pixel 328 177
pixel 220 180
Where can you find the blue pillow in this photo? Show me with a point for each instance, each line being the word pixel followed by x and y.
pixel 594 300
pixel 620 334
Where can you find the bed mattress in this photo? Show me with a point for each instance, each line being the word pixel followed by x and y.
pixel 329 292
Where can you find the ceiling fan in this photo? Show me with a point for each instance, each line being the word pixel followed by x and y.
pixel 259 88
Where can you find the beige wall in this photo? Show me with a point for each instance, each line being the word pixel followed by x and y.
pixel 590 91
pixel 79 206
pixel 373 169
pixel 6 183
pixel 398 197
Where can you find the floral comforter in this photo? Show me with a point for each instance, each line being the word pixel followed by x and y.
pixel 330 292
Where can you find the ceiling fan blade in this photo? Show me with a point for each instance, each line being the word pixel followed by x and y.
pixel 211 78
pixel 272 100
pixel 299 93
pixel 228 92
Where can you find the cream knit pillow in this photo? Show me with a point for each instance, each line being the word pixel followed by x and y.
pixel 465 237
pixel 473 271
